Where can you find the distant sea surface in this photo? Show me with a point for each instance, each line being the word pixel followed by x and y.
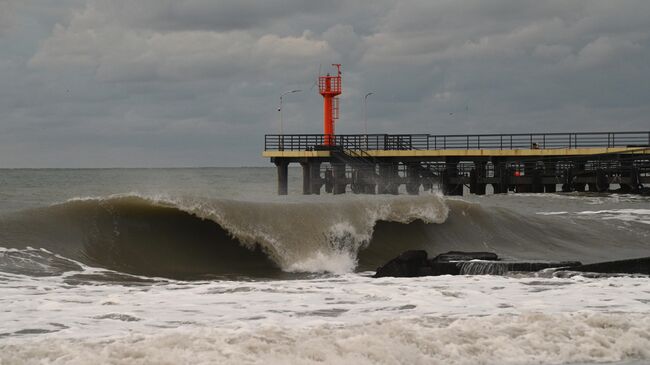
pixel 206 266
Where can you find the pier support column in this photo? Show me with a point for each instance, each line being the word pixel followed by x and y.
pixel 567 186
pixel 451 172
pixel 601 184
pixel 428 178
pixel 629 174
pixel 314 177
pixel 602 180
pixel 329 180
pixel 356 184
pixel 549 170
pixel 537 173
pixel 387 175
pixel 338 171
pixel 501 174
pixel 476 176
pixel 306 178
pixel 579 169
pixel 369 177
pixel 529 174
pixel 413 178
pixel 283 177
pixel 363 179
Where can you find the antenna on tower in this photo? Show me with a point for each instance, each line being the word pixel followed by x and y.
pixel 316 79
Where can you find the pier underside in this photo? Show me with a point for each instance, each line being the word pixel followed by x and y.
pixel 350 167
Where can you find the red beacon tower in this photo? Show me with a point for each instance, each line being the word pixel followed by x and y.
pixel 330 88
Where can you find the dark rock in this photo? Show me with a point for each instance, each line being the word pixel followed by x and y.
pixel 537 266
pixel 415 263
pixel 465 256
pixel 444 268
pixel 408 264
pixel 631 266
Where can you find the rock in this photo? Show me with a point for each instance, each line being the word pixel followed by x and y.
pixel 465 256
pixel 408 264
pixel 415 263
pixel 537 266
pixel 631 266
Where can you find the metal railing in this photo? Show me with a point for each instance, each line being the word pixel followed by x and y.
pixel 309 142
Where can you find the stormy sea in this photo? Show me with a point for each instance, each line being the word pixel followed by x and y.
pixel 210 266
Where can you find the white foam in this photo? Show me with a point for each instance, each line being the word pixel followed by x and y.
pixel 338 263
pixel 341 319
pixel 628 215
pixel 531 338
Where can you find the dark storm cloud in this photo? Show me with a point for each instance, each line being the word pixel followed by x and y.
pixel 155 83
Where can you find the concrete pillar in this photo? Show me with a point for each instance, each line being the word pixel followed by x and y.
pixel 630 175
pixel 501 174
pixel 413 178
pixel 387 183
pixel 579 168
pixel 537 186
pixel 549 170
pixel 529 173
pixel 382 182
pixel 314 177
pixel 363 179
pixel 329 180
pixel 476 176
pixel 369 178
pixel 283 177
pixel 567 185
pixel 427 179
pixel 306 178
pixel 602 181
pixel 450 172
pixel 338 172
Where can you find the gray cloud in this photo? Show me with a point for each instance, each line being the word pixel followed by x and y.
pixel 157 83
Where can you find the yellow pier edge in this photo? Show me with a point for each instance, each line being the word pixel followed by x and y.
pixel 469 152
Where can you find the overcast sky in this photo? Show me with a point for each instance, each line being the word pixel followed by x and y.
pixel 149 83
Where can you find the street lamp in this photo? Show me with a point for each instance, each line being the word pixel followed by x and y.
pixel 282 118
pixel 365 117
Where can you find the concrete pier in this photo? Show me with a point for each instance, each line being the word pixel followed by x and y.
pixel 381 164
pixel 283 176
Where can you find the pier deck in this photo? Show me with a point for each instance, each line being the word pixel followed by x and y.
pixel 382 163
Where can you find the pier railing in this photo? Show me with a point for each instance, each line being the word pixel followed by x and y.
pixel 308 142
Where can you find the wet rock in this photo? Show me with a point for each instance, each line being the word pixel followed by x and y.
pixel 631 266
pixel 537 266
pixel 408 264
pixel 416 263
pixel 465 256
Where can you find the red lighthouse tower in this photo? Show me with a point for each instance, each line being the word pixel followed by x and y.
pixel 330 88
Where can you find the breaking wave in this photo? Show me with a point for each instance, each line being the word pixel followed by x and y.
pixel 196 238
pixel 156 237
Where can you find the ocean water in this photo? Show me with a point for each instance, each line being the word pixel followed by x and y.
pixel 205 266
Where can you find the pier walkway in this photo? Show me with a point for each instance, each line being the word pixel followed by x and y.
pixel 537 162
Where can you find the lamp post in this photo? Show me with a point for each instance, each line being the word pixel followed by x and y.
pixel 282 118
pixel 365 116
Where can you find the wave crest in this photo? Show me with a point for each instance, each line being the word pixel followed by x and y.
pixel 180 237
